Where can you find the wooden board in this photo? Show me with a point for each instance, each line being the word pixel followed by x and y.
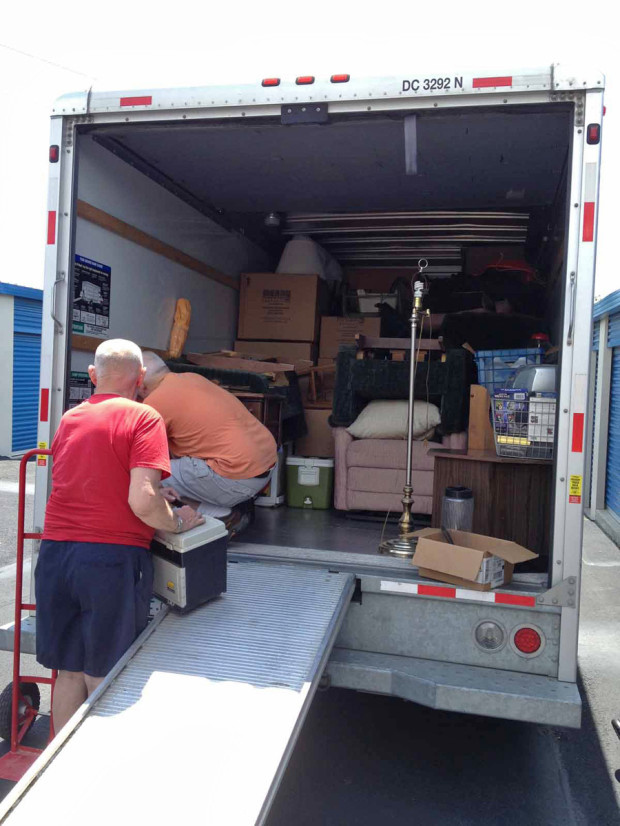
pixel 89 344
pixel 149 242
pixel 480 436
pixel 228 363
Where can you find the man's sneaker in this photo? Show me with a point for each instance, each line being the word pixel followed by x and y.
pixel 237 523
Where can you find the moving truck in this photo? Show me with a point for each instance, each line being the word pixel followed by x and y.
pixel 157 194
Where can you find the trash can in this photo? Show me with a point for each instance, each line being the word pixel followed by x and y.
pixel 309 482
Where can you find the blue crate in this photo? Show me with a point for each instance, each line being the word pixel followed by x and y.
pixel 496 368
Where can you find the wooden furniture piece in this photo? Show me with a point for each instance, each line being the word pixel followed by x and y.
pixel 320 389
pixel 398 348
pixel 512 497
pixel 267 409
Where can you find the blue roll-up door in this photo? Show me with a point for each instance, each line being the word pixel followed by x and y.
pixel 612 486
pixel 26 364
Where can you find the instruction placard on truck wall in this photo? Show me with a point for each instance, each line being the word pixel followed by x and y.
pixel 80 388
pixel 91 297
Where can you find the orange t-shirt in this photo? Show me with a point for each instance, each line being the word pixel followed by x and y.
pixel 207 422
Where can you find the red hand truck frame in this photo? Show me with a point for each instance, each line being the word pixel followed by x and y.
pixel 19 759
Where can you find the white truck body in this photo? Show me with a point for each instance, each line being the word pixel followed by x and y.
pixel 137 157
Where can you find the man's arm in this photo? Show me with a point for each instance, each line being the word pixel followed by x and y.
pixel 148 504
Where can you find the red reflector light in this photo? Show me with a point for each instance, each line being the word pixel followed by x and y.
pixel 340 78
pixel 54 153
pixel 271 81
pixel 304 80
pixel 527 640
pixel 593 133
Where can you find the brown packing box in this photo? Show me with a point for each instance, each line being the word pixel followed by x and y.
pixel 466 561
pixel 275 307
pixel 319 441
pixel 336 331
pixel 300 353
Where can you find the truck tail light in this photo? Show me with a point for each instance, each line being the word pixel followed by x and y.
pixel 54 153
pixel 593 133
pixel 340 78
pixel 271 81
pixel 489 635
pixel 527 640
pixel 304 80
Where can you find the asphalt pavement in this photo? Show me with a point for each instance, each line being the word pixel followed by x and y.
pixel 364 760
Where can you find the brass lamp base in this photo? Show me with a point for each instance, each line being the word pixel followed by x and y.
pixel 402 547
pixel 404 544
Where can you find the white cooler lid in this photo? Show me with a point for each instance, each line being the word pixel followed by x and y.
pixel 212 530
pixel 311 462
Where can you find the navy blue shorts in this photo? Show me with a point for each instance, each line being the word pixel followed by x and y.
pixel 92 601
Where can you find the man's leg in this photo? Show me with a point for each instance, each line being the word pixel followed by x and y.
pixel 92 683
pixel 70 692
pixel 194 479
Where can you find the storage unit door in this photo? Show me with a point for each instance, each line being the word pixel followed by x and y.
pixel 26 364
pixel 612 486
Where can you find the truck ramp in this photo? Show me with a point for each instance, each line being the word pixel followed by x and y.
pixel 197 723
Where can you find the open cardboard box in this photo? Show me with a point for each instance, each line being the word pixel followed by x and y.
pixel 477 562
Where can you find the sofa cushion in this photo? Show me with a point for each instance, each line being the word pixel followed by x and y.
pixel 383 480
pixel 389 453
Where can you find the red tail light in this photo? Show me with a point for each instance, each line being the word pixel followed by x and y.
pixel 54 153
pixel 271 81
pixel 527 640
pixel 340 78
pixel 304 80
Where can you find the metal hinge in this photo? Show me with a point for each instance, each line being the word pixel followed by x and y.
pixel 564 594
pixel 578 98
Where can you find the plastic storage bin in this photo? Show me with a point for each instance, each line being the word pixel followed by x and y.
pixel 309 482
pixel 497 368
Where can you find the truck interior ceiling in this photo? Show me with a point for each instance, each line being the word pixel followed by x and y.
pixel 480 193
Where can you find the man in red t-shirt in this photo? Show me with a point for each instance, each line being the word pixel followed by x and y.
pixel 94 575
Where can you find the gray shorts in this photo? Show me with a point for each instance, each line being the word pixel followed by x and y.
pixel 194 479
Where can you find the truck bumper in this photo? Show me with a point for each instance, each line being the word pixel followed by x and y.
pixel 451 687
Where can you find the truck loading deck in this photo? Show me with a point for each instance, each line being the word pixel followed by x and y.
pixel 237 674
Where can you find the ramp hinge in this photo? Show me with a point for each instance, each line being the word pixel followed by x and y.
pixel 563 595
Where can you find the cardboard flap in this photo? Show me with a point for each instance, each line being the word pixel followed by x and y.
pixel 504 548
pixel 434 553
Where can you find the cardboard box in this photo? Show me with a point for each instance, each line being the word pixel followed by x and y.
pixel 337 331
pixel 477 562
pixel 300 353
pixel 319 441
pixel 275 307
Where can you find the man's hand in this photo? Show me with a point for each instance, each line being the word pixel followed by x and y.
pixel 189 518
pixel 170 494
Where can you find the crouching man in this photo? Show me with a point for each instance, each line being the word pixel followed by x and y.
pixel 225 455
pixel 94 575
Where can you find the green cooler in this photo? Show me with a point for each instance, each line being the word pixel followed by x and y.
pixel 309 482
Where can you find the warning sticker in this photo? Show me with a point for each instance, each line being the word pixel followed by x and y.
pixel 41 459
pixel 91 297
pixel 574 490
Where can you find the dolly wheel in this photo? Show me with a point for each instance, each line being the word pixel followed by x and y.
pixel 30 697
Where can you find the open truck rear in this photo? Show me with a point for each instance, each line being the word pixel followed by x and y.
pixel 136 174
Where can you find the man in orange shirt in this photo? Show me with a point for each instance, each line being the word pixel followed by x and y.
pixel 221 454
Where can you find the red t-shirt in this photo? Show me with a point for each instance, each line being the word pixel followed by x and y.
pixel 94 449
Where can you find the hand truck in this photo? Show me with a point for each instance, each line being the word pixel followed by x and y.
pixel 19 702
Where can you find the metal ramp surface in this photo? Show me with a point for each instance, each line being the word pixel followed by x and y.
pixel 198 725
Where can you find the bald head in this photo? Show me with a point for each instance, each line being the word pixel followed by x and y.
pixel 118 368
pixel 156 370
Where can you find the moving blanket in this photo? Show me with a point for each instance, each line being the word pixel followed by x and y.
pixel 445 384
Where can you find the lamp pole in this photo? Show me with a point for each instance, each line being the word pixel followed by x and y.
pixel 403 545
